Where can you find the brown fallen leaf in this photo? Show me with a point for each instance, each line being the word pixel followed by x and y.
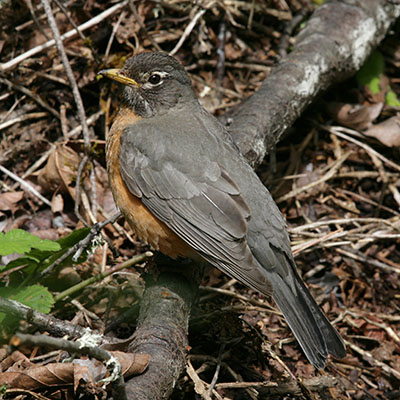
pixel 25 375
pixel 60 170
pixel 131 363
pixel 355 116
pixel 57 203
pixel 49 375
pixel 9 200
pixel 387 132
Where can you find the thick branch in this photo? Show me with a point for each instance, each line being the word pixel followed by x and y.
pixel 333 46
pixel 162 330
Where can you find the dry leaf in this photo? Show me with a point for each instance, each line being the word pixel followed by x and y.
pixel 355 116
pixel 387 132
pixel 34 377
pixel 131 363
pixel 9 200
pixel 57 203
pixel 60 170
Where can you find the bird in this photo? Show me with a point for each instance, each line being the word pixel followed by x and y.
pixel 185 189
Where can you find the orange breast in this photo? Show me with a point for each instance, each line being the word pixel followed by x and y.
pixel 145 225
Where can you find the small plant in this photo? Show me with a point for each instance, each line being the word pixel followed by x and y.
pixel 25 281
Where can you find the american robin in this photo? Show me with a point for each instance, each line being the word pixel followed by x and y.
pixel 186 190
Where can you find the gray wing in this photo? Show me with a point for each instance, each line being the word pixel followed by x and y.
pixel 203 206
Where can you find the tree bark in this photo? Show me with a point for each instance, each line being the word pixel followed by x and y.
pixel 163 327
pixel 335 43
pixel 333 46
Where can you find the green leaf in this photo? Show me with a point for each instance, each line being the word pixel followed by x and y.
pixel 35 296
pixel 20 241
pixel 391 99
pixel 73 238
pixel 18 262
pixel 371 72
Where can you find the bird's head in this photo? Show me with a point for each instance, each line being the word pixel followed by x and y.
pixel 154 83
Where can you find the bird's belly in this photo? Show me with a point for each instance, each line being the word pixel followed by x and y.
pixel 144 224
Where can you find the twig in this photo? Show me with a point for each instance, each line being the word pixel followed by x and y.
pixel 284 388
pixel 40 320
pixel 25 185
pixel 142 25
pixel 187 32
pixel 339 221
pixel 21 118
pixel 82 244
pixel 199 384
pixel 35 165
pixel 93 191
pixel 373 361
pixel 369 201
pixel 114 31
pixel 367 260
pixel 240 297
pixel 88 24
pixel 84 346
pixel 72 22
pixel 390 332
pixel 311 243
pixel 90 121
pixel 330 174
pixel 68 70
pixel 32 95
pixel 338 131
pixel 78 287
pixel 81 167
pixel 35 19
pixel 217 369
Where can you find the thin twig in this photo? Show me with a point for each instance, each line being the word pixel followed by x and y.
pixel 102 275
pixel 373 361
pixel 88 24
pixel 142 25
pixel 329 175
pixel 217 369
pixel 32 95
pixel 81 167
pixel 90 121
pixel 114 31
pixel 21 118
pixel 82 346
pixel 355 255
pixel 72 22
pixel 25 185
pixel 339 221
pixel 187 31
pixel 68 70
pixel 94 231
pixel 338 131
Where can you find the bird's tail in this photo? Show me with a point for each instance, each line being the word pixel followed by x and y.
pixel 316 335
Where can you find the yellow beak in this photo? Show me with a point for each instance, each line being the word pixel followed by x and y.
pixel 117 75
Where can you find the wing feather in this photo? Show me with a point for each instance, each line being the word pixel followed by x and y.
pixel 206 210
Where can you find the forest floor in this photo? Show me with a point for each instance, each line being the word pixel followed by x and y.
pixel 335 177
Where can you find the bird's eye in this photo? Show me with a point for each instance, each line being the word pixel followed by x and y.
pixel 155 79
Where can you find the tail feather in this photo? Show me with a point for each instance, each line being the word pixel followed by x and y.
pixel 315 334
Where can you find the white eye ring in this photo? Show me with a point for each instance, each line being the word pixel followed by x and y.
pixel 155 78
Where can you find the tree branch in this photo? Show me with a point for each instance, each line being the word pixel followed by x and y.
pixel 333 46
